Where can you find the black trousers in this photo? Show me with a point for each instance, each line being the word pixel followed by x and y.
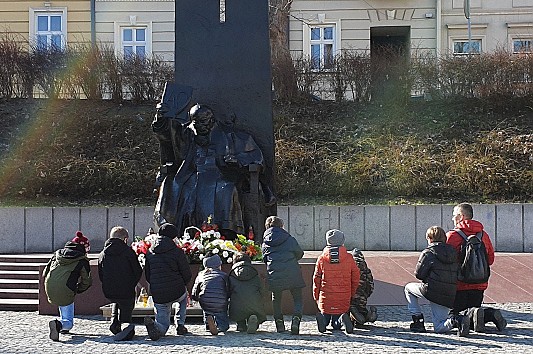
pixel 122 309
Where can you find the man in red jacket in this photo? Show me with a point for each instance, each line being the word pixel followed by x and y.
pixel 470 296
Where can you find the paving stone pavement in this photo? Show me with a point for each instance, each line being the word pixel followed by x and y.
pixel 27 332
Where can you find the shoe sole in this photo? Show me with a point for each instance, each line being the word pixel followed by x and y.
pixel 348 325
pixel 54 333
pixel 479 320
pixel 321 323
pixel 500 322
pixel 252 325
pixel 153 333
pixel 125 333
pixel 212 325
pixel 358 316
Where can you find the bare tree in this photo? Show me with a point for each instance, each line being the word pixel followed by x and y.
pixel 283 73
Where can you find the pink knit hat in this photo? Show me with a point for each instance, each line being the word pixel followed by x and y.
pixel 82 240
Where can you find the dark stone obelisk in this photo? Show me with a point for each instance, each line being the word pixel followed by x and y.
pixel 223 52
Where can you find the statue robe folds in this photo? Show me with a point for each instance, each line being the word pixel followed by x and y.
pixel 213 172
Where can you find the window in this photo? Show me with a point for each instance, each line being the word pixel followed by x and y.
pixel 134 42
pixel 523 46
pixel 461 47
pixel 48 28
pixel 133 39
pixel 322 46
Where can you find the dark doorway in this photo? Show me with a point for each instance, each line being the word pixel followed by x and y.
pixel 389 54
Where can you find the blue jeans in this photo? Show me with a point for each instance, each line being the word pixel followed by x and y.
pixel 277 296
pixel 67 316
pixel 221 319
pixel 439 313
pixel 335 320
pixel 163 311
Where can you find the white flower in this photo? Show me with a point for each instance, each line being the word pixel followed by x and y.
pixel 215 250
pixel 230 260
pixel 201 256
pixel 225 254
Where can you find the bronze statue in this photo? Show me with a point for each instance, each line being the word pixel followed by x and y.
pixel 205 165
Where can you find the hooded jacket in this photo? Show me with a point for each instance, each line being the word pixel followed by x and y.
pixel 281 253
pixel 470 227
pixel 66 274
pixel 437 268
pixel 118 269
pixel 246 293
pixel 211 290
pixel 335 283
pixel 167 270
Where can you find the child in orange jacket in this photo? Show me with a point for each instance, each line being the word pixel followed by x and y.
pixel 335 282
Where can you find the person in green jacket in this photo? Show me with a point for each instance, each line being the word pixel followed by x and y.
pixel 67 273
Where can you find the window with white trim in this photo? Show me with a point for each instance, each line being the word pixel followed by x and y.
pixel 521 46
pixel 48 28
pixel 461 47
pixel 133 42
pixel 322 46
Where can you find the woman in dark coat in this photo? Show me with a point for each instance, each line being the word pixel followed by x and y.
pixel 246 295
pixel 281 253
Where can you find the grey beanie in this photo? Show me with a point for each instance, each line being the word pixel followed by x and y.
pixel 213 261
pixel 334 238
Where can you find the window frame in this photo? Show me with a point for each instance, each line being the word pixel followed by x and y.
pixel 466 41
pixel 48 11
pixel 521 39
pixel 308 42
pixel 119 43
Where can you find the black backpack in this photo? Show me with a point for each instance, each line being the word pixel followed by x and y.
pixel 473 263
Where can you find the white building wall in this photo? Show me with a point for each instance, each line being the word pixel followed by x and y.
pixel 158 13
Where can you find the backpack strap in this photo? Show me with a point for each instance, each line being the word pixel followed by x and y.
pixel 479 235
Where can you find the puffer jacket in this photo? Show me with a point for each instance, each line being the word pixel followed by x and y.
pixel 334 284
pixel 211 290
pixel 118 269
pixel 437 268
pixel 246 293
pixel 66 274
pixel 167 270
pixel 470 227
pixel 281 253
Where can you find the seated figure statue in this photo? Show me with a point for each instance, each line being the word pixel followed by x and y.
pixel 205 166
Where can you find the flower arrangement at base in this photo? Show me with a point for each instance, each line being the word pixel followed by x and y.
pixel 207 239
pixel 141 245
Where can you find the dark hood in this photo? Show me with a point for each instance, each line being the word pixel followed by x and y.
pixel 115 246
pixel 275 236
pixel 162 244
pixel 444 252
pixel 244 271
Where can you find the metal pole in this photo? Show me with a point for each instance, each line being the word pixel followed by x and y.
pixel 467 15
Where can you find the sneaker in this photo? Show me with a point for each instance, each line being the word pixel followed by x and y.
pixel 348 325
pixel 252 324
pixel 126 334
pixel 212 325
pixel 372 315
pixel 153 332
pixel 499 321
pixel 418 324
pixel 280 326
pixel 463 325
pixel 55 328
pixel 477 315
pixel 115 326
pixel 181 330
pixel 321 322
pixel 357 316
pixel 295 325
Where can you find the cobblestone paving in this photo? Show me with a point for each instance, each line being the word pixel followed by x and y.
pixel 27 332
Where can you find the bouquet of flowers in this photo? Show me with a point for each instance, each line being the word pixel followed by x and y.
pixel 207 239
pixel 141 245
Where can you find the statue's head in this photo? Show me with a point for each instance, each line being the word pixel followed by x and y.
pixel 203 118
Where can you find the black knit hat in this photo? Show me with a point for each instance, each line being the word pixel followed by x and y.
pixel 169 231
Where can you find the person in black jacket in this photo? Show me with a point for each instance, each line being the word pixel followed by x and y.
pixel 168 272
pixel 119 271
pixel 281 253
pixel 437 269
pixel 246 295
